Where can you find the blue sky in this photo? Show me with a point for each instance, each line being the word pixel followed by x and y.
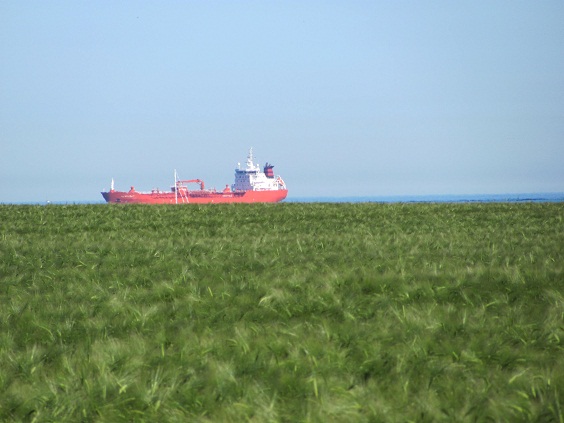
pixel 346 98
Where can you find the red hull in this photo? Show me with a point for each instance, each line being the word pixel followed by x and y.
pixel 195 197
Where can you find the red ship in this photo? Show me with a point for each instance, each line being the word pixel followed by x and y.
pixel 252 185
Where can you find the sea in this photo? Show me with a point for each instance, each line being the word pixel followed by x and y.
pixel 553 197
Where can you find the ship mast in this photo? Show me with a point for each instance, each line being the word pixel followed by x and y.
pixel 175 188
pixel 250 158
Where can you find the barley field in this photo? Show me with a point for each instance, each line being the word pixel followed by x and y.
pixel 282 313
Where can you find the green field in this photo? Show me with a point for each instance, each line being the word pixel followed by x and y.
pixel 282 313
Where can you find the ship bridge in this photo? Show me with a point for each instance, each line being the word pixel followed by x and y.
pixel 251 178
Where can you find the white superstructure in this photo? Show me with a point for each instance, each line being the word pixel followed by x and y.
pixel 252 178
